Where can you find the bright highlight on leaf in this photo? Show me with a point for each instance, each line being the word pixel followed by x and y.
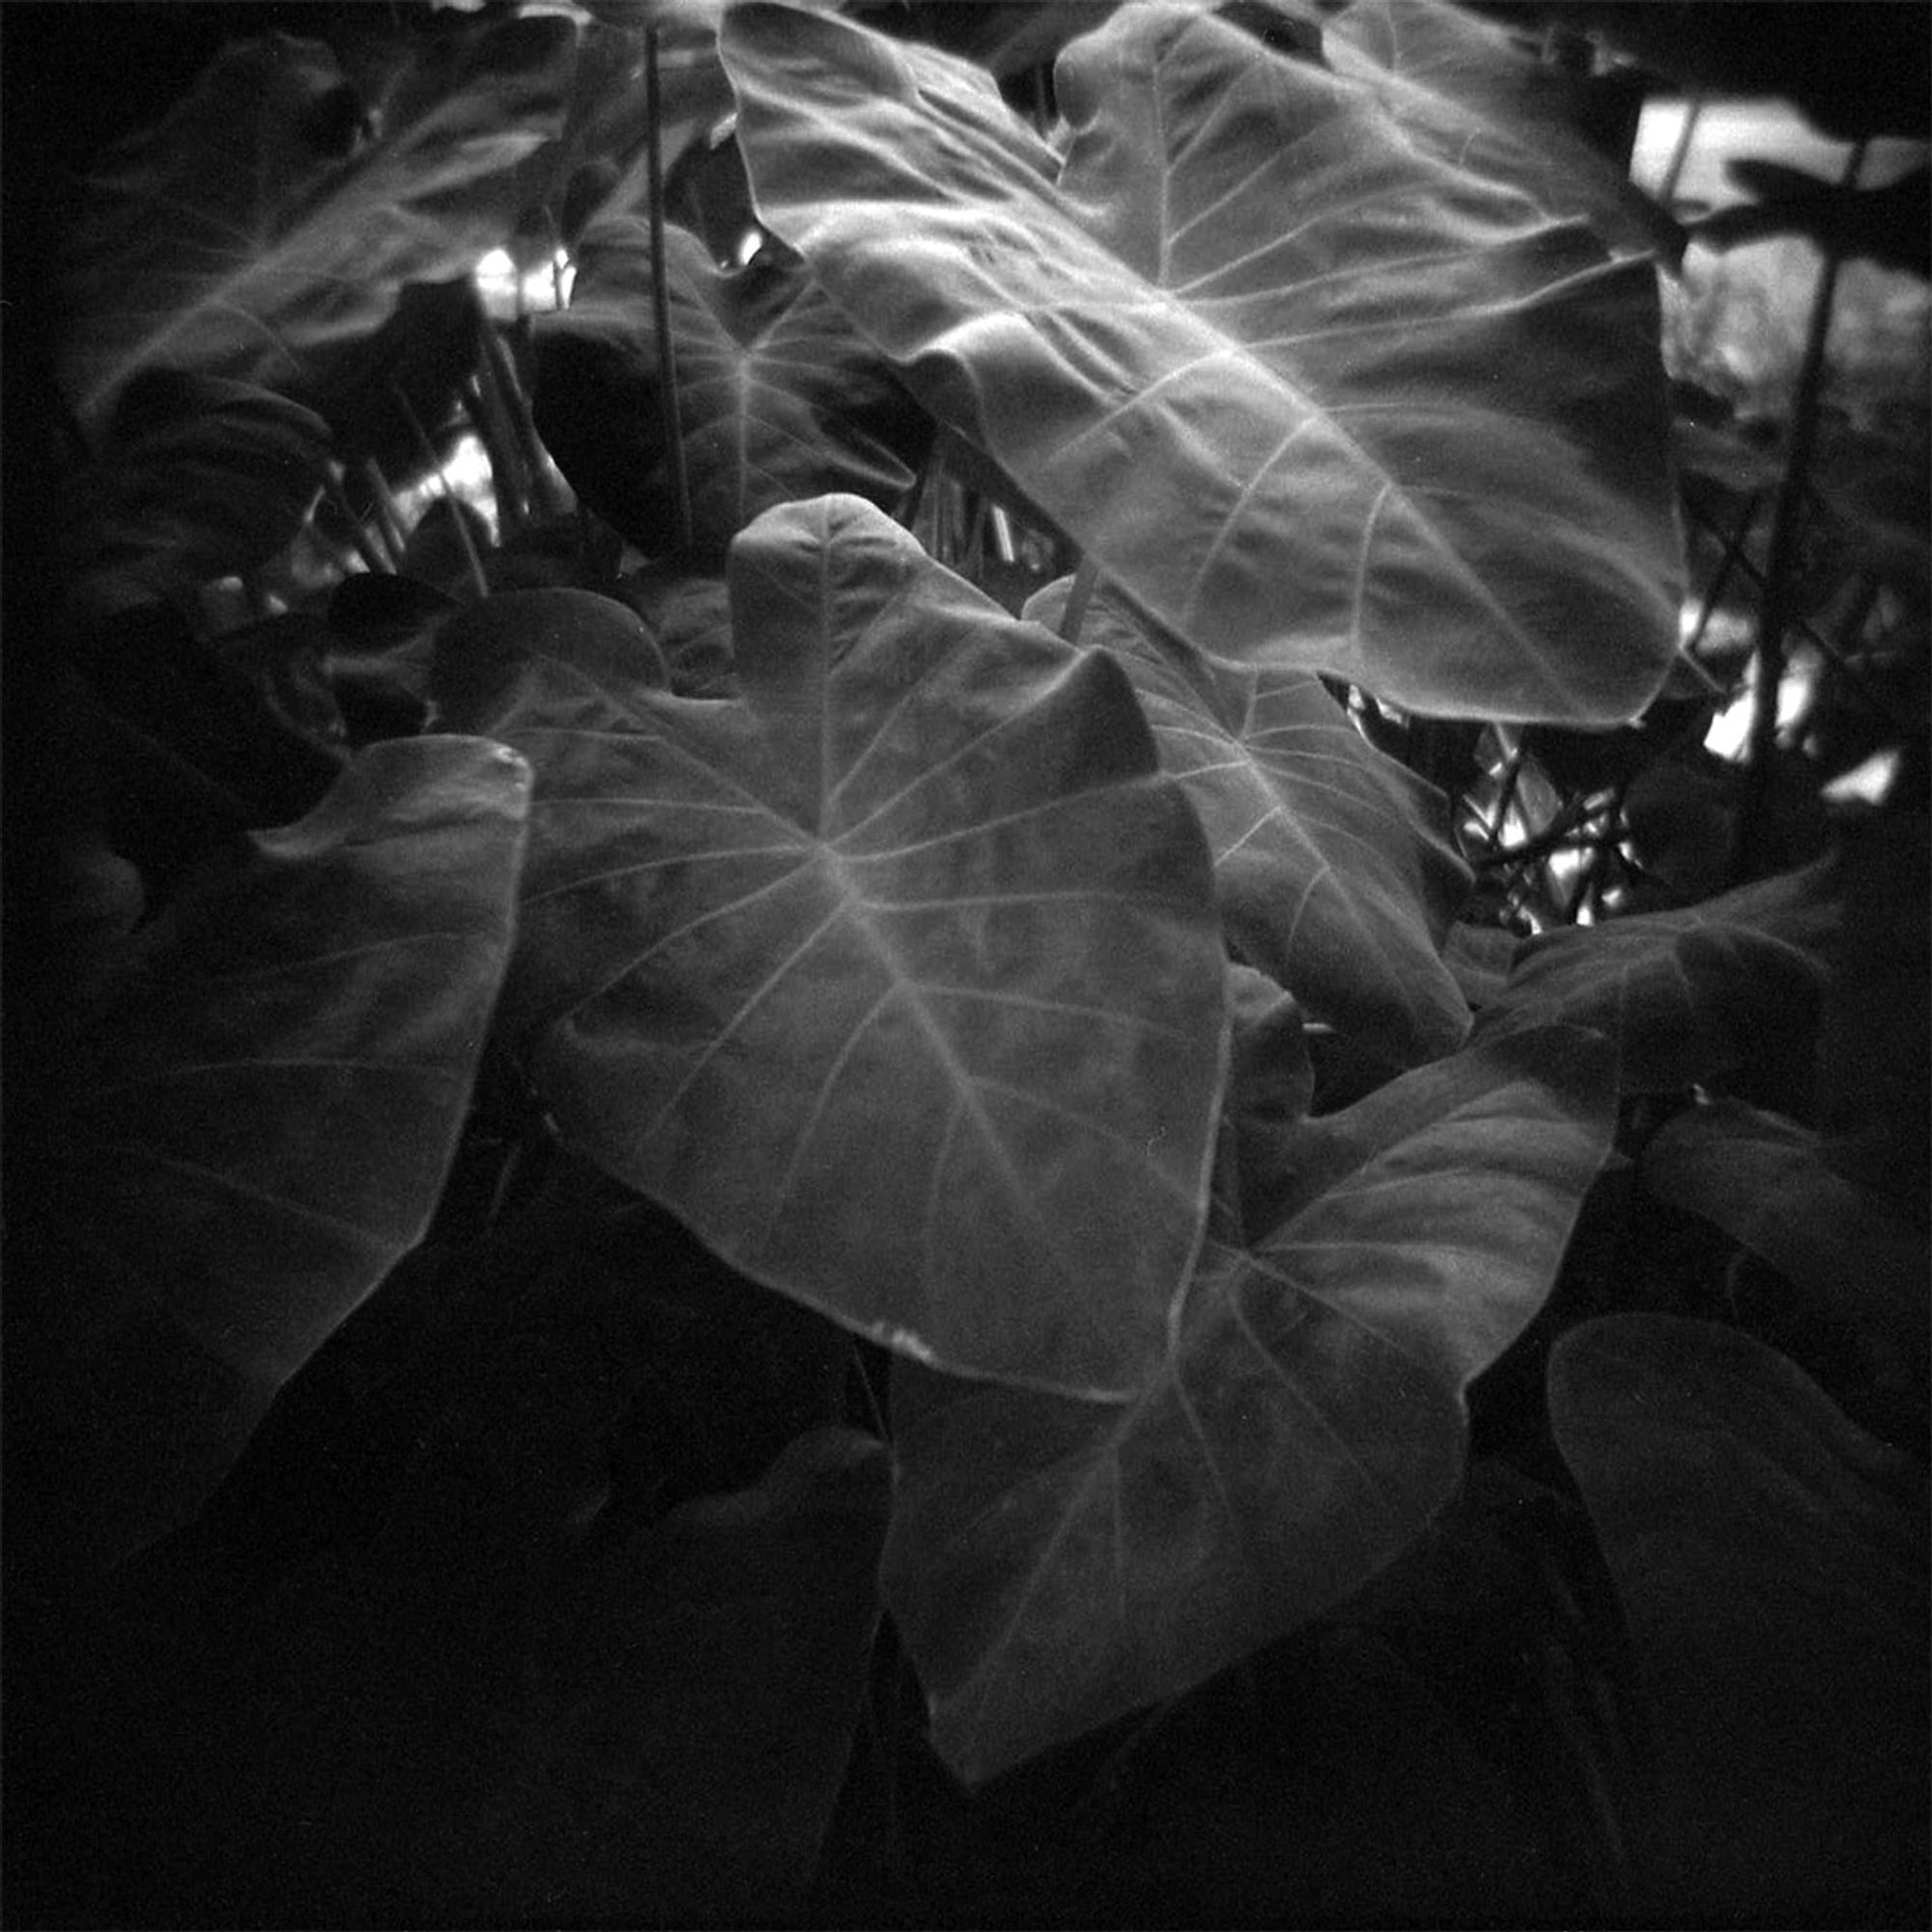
pixel 1314 397
pixel 898 978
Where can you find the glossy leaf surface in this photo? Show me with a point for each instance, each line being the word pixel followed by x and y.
pixel 778 397
pixel 898 977
pixel 274 212
pixel 1770 1561
pixel 264 1114
pixel 1683 995
pixel 1053 1564
pixel 1313 397
pixel 1333 864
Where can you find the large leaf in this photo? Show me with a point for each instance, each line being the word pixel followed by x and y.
pixel 1314 397
pixel 1333 864
pixel 1684 995
pixel 777 398
pixel 898 978
pixel 1768 1183
pixel 275 211
pixel 1053 1563
pixel 1771 1559
pixel 1458 85
pixel 260 1121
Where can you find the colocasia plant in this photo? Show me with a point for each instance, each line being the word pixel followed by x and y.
pixel 983 1115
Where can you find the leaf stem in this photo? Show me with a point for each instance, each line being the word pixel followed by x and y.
pixel 674 440
pixel 1078 598
pixel 457 510
pixel 366 547
pixel 1751 853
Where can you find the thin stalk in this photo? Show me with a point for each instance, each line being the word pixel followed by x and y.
pixel 1749 852
pixel 1078 598
pixel 1666 189
pixel 366 547
pixel 386 519
pixel 509 479
pixel 674 440
pixel 474 563
pixel 1734 555
pixel 498 373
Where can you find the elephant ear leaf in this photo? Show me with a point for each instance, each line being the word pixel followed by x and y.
pixel 1052 1564
pixel 257 1122
pixel 1769 1557
pixel 1315 397
pixel 896 977
pixel 1334 865
pixel 278 208
pixel 778 398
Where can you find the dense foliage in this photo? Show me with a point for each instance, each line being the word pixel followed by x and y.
pixel 905 1059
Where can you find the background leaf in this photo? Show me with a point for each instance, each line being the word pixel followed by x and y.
pixel 257 1125
pixel 1333 865
pixel 898 978
pixel 1311 397
pixel 278 210
pixel 1052 1564
pixel 1771 1559
pixel 1766 1182
pixel 1685 995
pixel 778 399
pixel 196 478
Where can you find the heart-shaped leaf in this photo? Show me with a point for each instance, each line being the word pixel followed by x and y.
pixel 1771 1559
pixel 259 1124
pixel 1333 864
pixel 898 978
pixel 1683 995
pixel 1053 1564
pixel 1314 397
pixel 275 211
pixel 777 398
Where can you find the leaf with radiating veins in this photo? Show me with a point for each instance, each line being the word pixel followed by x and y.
pixel 1312 395
pixel 1053 1564
pixel 260 1121
pixel 898 976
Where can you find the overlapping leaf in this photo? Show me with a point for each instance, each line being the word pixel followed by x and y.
pixel 1052 1563
pixel 898 978
pixel 1684 995
pixel 275 212
pixel 1770 1561
pixel 1314 397
pixel 263 1116
pixel 778 399
pixel 1767 1182
pixel 1332 864
pixel 197 478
